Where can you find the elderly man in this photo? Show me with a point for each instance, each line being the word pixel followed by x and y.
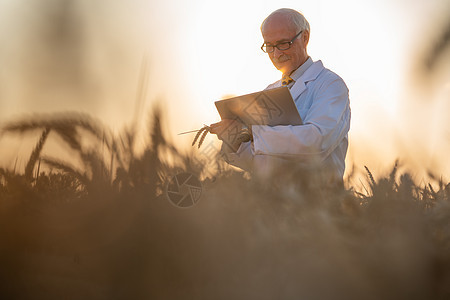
pixel 321 98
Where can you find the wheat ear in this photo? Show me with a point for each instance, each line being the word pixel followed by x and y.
pixel 205 132
pixel 372 180
pixel 197 135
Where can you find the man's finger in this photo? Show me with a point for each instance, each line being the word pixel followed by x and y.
pixel 214 128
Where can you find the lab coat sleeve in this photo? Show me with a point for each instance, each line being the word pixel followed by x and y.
pixel 242 158
pixel 326 124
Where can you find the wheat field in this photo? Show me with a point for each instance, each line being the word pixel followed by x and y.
pixel 104 228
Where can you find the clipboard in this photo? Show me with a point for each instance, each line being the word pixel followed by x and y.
pixel 268 107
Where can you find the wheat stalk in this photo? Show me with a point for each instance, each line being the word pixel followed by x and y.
pixel 65 167
pixel 35 154
pixel 203 132
pixel 372 180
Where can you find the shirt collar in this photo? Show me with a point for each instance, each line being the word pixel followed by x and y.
pixel 302 69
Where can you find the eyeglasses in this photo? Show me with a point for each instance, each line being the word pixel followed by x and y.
pixel 267 48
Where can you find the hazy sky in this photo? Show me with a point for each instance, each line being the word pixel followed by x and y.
pixel 87 56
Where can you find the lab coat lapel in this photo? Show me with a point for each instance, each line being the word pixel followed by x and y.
pixel 310 74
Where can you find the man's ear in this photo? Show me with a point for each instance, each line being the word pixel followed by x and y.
pixel 305 37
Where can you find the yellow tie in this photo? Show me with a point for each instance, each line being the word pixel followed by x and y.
pixel 286 80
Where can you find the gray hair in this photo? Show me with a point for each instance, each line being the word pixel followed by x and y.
pixel 297 19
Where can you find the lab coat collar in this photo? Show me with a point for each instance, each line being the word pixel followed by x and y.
pixel 302 69
pixel 310 74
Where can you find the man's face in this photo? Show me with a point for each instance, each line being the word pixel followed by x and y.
pixel 278 29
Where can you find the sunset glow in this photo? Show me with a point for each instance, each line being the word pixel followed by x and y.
pixel 199 51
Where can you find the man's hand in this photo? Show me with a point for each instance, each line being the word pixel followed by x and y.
pixel 228 131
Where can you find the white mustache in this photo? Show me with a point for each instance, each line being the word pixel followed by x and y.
pixel 282 59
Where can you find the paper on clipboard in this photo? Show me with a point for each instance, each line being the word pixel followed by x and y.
pixel 268 107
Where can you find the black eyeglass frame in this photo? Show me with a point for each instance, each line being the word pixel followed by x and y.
pixel 278 45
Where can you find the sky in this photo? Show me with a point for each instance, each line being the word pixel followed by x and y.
pixel 99 56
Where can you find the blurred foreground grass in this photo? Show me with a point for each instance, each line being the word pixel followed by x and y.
pixel 103 228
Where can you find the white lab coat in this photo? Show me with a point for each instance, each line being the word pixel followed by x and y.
pixel 321 97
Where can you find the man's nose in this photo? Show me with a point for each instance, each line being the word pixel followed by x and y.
pixel 277 52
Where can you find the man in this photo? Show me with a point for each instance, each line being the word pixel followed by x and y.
pixel 321 98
